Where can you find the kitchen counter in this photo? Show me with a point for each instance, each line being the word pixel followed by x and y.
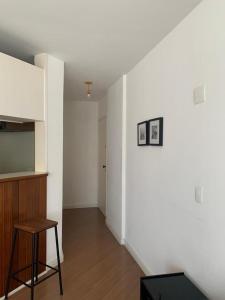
pixel 21 175
pixel 23 196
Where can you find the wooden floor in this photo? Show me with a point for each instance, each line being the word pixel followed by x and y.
pixel 95 265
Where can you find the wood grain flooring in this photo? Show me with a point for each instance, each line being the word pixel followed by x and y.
pixel 95 266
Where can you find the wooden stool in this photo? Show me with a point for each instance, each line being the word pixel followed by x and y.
pixel 34 227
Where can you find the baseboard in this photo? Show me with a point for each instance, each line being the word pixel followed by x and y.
pixel 101 210
pixel 79 205
pixel 54 262
pixel 137 258
pixel 131 250
pixel 117 237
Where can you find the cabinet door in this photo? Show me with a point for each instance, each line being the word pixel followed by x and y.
pixel 32 204
pixel 8 216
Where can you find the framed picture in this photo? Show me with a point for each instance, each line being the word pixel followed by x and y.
pixel 142 133
pixel 155 133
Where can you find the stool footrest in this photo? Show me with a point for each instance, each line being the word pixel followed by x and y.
pixel 21 281
pixel 50 267
pixel 21 270
pixel 43 279
pixel 37 282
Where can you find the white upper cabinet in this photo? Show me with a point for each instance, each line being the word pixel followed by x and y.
pixel 21 89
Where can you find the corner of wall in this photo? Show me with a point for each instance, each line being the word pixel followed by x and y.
pixel 119 239
pixel 137 258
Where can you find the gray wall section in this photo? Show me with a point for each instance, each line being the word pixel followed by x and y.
pixel 17 152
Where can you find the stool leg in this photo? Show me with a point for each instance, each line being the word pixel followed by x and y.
pixel 33 265
pixel 58 259
pixel 37 257
pixel 15 231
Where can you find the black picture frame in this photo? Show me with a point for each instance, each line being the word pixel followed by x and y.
pixel 158 124
pixel 144 126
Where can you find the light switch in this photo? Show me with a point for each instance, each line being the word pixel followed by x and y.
pixel 199 194
pixel 199 94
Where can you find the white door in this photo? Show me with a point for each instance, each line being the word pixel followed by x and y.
pixel 102 165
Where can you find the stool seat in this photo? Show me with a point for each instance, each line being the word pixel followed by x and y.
pixel 36 225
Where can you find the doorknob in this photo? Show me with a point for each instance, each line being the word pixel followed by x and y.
pixel 104 166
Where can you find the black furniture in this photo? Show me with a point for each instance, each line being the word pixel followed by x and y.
pixel 169 287
pixel 33 227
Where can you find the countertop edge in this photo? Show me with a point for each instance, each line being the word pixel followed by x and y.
pixel 20 176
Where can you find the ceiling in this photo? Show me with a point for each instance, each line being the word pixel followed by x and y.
pixel 99 40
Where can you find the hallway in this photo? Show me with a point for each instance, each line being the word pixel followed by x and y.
pixel 95 267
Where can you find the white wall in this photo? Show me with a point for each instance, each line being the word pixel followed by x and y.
pixel 22 89
pixel 102 108
pixel 114 197
pixel 16 151
pixel 102 119
pixel 166 228
pixel 81 154
pixel 49 144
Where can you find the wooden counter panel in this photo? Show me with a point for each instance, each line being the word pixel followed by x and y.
pixel 8 217
pixel 20 200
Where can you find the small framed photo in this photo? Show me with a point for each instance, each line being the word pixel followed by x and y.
pixel 142 133
pixel 155 133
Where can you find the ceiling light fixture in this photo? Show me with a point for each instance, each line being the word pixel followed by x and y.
pixel 89 90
